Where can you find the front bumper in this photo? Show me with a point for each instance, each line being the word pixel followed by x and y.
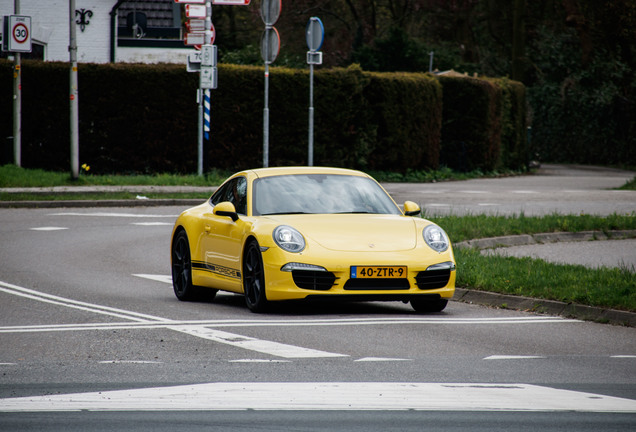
pixel 336 281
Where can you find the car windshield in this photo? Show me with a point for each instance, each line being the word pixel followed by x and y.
pixel 319 193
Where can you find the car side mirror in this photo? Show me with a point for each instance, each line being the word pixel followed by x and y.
pixel 411 209
pixel 226 208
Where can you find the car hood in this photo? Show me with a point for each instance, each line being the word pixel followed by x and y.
pixel 356 232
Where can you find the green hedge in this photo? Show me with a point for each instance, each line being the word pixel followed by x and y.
pixel 143 118
pixel 407 111
pixel 484 124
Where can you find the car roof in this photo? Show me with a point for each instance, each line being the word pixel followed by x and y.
pixel 277 171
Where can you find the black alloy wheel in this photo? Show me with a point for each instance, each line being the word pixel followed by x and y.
pixel 182 267
pixel 182 272
pixel 254 278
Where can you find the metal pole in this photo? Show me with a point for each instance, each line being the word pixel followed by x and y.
pixel 310 151
pixel 200 133
pixel 207 41
pixel 266 120
pixel 17 100
pixel 74 112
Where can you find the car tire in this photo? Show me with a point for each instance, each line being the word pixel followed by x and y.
pixel 429 305
pixel 182 272
pixel 254 278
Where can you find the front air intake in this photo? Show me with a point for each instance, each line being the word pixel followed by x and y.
pixel 313 280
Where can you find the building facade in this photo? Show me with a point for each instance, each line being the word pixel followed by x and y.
pixel 143 31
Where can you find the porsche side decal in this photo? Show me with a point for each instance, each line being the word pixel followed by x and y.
pixel 220 270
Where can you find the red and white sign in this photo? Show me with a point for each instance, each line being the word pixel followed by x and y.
pixel 195 11
pixel 231 2
pixel 19 36
pixel 194 38
pixel 195 25
pixel 190 1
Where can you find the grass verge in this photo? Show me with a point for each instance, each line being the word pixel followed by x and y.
pixel 16 197
pixel 13 176
pixel 630 185
pixel 613 288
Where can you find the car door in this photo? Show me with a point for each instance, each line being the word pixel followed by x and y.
pixel 222 242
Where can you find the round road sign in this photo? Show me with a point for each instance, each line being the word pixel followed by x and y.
pixel 270 45
pixel 315 34
pixel 270 11
pixel 20 33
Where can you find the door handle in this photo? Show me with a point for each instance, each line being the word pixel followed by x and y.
pixel 207 228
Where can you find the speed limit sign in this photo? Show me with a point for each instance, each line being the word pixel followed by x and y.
pixel 18 33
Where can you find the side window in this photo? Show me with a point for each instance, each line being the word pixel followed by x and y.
pixel 234 191
pixel 240 195
pixel 220 194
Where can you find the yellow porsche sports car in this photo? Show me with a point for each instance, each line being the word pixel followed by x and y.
pixel 298 233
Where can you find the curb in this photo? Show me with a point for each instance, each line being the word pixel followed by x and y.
pixel 541 238
pixel 550 307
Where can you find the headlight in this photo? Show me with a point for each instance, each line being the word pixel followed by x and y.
pixel 289 239
pixel 436 238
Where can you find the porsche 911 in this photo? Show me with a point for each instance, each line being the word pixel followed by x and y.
pixel 275 234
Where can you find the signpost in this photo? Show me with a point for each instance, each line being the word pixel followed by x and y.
pixel 201 34
pixel 195 11
pixel 17 39
pixel 270 46
pixel 315 35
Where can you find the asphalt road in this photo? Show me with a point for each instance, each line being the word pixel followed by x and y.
pixel 92 338
pixel 553 189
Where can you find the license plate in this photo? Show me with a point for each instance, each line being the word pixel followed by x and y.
pixel 378 272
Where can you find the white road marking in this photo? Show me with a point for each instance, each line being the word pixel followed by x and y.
pixel 48 228
pixel 129 362
pixel 201 328
pixel 266 347
pixel 343 396
pixel 513 357
pixel 476 192
pixel 152 223
pixel 74 304
pixel 284 323
pixel 623 356
pixel 525 192
pixel 113 214
pixel 159 278
pixel 381 359
pixel 272 348
pixel 258 361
